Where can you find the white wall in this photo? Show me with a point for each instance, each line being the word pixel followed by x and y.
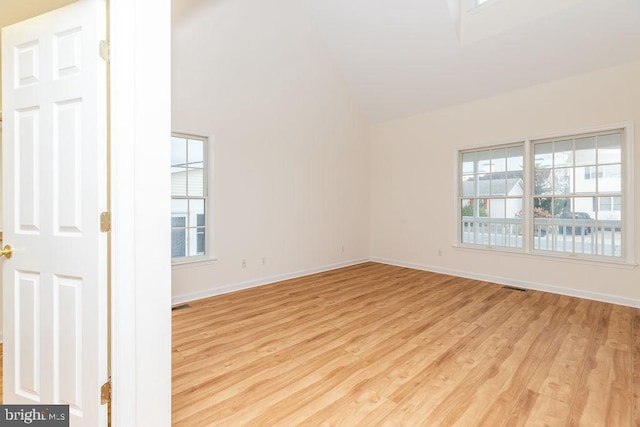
pixel 291 172
pixel 413 179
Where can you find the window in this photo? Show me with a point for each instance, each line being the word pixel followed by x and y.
pixel 492 190
pixel 188 195
pixel 563 196
pixel 569 173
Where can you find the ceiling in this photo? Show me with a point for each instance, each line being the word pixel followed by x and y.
pixel 18 10
pixel 403 57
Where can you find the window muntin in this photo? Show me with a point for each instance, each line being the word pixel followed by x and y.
pixel 188 195
pixel 574 194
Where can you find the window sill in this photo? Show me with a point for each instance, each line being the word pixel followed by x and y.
pixel 180 263
pixel 550 257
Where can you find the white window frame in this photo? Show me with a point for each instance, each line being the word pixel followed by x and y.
pixel 627 214
pixel 208 202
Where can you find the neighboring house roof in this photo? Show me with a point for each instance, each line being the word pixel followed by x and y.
pixel 500 187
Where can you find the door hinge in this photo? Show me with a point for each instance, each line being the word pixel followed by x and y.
pixel 105 392
pixel 104 50
pixel 105 222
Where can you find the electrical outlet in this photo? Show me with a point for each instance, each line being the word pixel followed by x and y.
pixel 243 263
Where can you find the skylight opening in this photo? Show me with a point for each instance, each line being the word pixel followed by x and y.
pixel 478 19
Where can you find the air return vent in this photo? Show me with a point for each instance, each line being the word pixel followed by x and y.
pixel 513 288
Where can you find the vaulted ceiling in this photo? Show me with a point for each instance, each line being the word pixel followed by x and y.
pixel 402 57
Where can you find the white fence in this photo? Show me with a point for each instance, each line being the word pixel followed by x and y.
pixel 580 236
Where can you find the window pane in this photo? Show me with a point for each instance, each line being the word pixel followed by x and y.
pixel 484 186
pixel 585 179
pixel 583 206
pixel 514 208
pixel 196 182
pixel 178 151
pixel 498 208
pixel 468 225
pixel 563 153
pixel 178 243
pixel 542 207
pixel 543 155
pixel 178 181
pixel 498 160
pixel 498 184
pixel 468 186
pixel 561 205
pixel 200 240
pixel 196 246
pixel 196 153
pixel 617 205
pixel 585 151
pixel 610 148
pixel 179 221
pixel 467 208
pixel 179 208
pixel 515 158
pixel 482 208
pixel 608 183
pixel 543 182
pixel 605 204
pixel 468 160
pixel 483 162
pixel 562 181
pixel 196 210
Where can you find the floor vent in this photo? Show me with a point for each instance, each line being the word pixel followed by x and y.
pixel 513 288
pixel 180 307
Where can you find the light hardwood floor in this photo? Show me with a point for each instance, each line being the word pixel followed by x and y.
pixel 380 345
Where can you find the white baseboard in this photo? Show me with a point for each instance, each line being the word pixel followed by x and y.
pixel 596 296
pixel 179 299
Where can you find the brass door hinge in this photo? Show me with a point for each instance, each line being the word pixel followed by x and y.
pixel 105 222
pixel 105 392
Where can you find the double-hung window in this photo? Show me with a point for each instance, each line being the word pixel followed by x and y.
pixel 557 196
pixel 492 189
pixel 188 196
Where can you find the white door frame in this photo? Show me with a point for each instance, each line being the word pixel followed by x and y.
pixel 141 262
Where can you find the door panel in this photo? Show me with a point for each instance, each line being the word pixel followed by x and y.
pixel 54 172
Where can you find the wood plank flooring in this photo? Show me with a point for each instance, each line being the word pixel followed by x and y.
pixel 381 345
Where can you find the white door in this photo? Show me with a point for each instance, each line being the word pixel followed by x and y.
pixel 54 172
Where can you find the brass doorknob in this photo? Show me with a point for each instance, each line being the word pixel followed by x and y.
pixel 7 251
